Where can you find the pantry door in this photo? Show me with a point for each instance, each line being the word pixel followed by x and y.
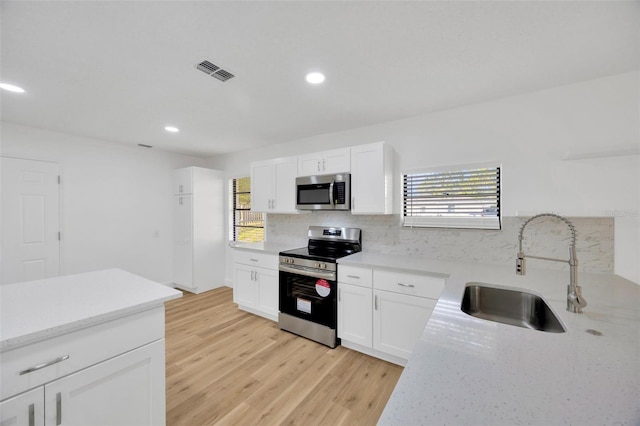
pixel 30 220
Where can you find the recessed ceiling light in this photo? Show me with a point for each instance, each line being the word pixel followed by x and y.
pixel 11 88
pixel 172 129
pixel 315 77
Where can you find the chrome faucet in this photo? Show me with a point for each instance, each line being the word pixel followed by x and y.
pixel 575 301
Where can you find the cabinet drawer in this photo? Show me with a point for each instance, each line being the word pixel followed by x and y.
pixel 252 258
pixel 84 348
pixel 416 285
pixel 356 276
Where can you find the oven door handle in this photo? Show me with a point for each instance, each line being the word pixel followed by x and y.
pixel 331 276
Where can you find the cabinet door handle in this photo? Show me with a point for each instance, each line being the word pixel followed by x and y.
pixel 180 188
pixel 252 272
pixel 406 285
pixel 375 302
pixel 318 165
pixel 58 409
pixel 324 166
pixel 339 293
pixel 180 200
pixel 354 276
pixel 41 366
pixel 32 415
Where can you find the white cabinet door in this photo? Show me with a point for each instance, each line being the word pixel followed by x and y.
pixel 355 314
pixel 398 321
pixel 24 409
pixel 336 161
pixel 371 187
pixel 122 391
pixel 268 289
pixel 183 240
pixel 285 171
pixel 245 286
pixel 183 181
pixel 310 164
pixel 261 186
pixel 325 162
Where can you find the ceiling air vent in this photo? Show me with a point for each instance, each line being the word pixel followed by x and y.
pixel 214 71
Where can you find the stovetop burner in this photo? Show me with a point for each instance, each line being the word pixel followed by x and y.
pixel 328 244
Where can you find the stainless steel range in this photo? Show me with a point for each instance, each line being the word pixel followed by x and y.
pixel 309 283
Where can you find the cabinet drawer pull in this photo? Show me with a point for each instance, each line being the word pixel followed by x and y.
pixel 253 260
pixel 58 409
pixel 375 302
pixel 32 415
pixel 46 364
pixel 354 276
pixel 406 285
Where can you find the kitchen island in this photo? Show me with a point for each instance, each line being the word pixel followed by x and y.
pixel 83 349
pixel 466 370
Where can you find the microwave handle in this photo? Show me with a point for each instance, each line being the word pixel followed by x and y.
pixel 333 195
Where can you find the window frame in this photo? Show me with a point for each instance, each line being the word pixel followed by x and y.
pixel 233 209
pixel 453 220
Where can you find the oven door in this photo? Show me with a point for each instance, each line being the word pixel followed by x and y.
pixel 309 298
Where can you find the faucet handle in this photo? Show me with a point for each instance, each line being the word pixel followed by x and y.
pixel 576 300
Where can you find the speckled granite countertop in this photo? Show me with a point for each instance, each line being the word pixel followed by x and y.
pixel 469 371
pixel 37 310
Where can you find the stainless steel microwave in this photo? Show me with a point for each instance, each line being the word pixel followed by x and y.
pixel 325 192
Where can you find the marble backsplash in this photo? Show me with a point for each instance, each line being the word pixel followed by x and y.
pixel 386 235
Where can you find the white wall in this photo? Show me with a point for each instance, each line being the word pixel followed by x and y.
pixel 530 134
pixel 115 200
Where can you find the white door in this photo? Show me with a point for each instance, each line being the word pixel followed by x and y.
pixel 30 220
pixel 123 391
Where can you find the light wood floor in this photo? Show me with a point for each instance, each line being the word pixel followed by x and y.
pixel 226 366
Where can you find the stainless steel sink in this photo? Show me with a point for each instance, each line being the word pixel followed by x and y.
pixel 509 306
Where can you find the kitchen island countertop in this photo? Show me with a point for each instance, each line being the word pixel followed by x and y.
pixel 465 370
pixel 37 310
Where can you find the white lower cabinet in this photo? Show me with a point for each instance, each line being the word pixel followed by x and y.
pixel 255 283
pixel 354 314
pixel 398 321
pixel 24 409
pixel 382 313
pixel 119 392
pixel 109 374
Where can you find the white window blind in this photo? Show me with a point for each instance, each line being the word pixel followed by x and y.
pixel 468 197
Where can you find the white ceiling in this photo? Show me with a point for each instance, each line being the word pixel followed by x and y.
pixel 121 71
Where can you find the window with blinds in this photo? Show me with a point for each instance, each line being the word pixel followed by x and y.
pixel 465 197
pixel 244 225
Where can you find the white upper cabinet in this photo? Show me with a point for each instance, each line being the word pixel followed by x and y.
pixel 273 185
pixel 372 179
pixel 325 162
